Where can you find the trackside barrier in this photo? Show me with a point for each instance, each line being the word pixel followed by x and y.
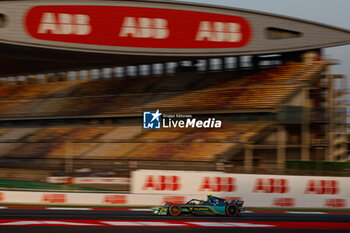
pixel 87 180
pixel 156 187
pixel 108 199
pixel 241 185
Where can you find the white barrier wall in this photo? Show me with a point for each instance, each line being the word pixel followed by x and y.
pixel 94 199
pixel 255 190
pixel 219 183
pixel 155 187
pixel 87 180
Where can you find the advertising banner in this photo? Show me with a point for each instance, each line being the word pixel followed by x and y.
pixel 218 183
pixel 138 200
pixel 142 27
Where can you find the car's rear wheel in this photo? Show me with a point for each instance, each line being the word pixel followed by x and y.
pixel 232 210
pixel 174 210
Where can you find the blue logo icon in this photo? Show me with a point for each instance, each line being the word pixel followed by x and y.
pixel 151 120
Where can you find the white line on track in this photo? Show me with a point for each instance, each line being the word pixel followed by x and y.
pixel 141 210
pixel 228 224
pixel 300 212
pixel 121 223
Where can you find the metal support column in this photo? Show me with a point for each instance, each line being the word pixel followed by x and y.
pixel 281 146
pixel 305 131
pixel 248 158
pixel 330 108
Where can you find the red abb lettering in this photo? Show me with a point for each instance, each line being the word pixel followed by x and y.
pixel 115 199
pixel 2 196
pixel 335 203
pixel 173 199
pixel 322 187
pixel 54 198
pixel 271 186
pixel 218 184
pixel 284 202
pixel 170 183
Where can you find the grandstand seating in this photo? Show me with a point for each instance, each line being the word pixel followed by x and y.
pixel 6 148
pixel 47 135
pixel 162 135
pixel 238 98
pixel 15 135
pixel 244 90
pixel 203 151
pixel 39 90
pixel 120 133
pixel 61 150
pixel 111 151
pixel 179 151
pixel 125 142
pixel 85 133
pixel 30 150
pixel 210 91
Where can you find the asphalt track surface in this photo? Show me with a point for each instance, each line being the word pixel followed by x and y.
pixel 106 221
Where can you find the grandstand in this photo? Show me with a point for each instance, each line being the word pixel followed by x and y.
pixel 93 120
pixel 274 109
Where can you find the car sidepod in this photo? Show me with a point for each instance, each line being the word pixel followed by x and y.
pixel 204 210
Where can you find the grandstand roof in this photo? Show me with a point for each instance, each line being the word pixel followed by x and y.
pixel 43 36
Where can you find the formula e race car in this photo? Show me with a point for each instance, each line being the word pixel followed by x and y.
pixel 212 206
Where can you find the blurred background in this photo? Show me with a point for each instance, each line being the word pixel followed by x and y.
pixel 282 113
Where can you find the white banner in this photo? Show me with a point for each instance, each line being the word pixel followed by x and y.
pixel 100 180
pixel 137 200
pixel 87 180
pixel 223 184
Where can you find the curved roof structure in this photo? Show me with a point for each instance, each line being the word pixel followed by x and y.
pixel 88 33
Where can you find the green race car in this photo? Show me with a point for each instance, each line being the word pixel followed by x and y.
pixel 212 206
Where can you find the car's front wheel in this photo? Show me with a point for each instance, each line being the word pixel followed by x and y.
pixel 174 210
pixel 232 210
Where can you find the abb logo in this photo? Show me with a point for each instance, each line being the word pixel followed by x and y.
pixel 218 184
pixel 284 202
pixel 335 203
pixel 2 196
pixel 136 27
pixel 219 32
pixel 115 199
pixel 271 186
pixel 64 24
pixel 173 199
pixel 171 183
pixel 322 187
pixel 54 198
pixel 144 28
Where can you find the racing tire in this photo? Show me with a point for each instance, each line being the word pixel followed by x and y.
pixel 232 210
pixel 174 210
